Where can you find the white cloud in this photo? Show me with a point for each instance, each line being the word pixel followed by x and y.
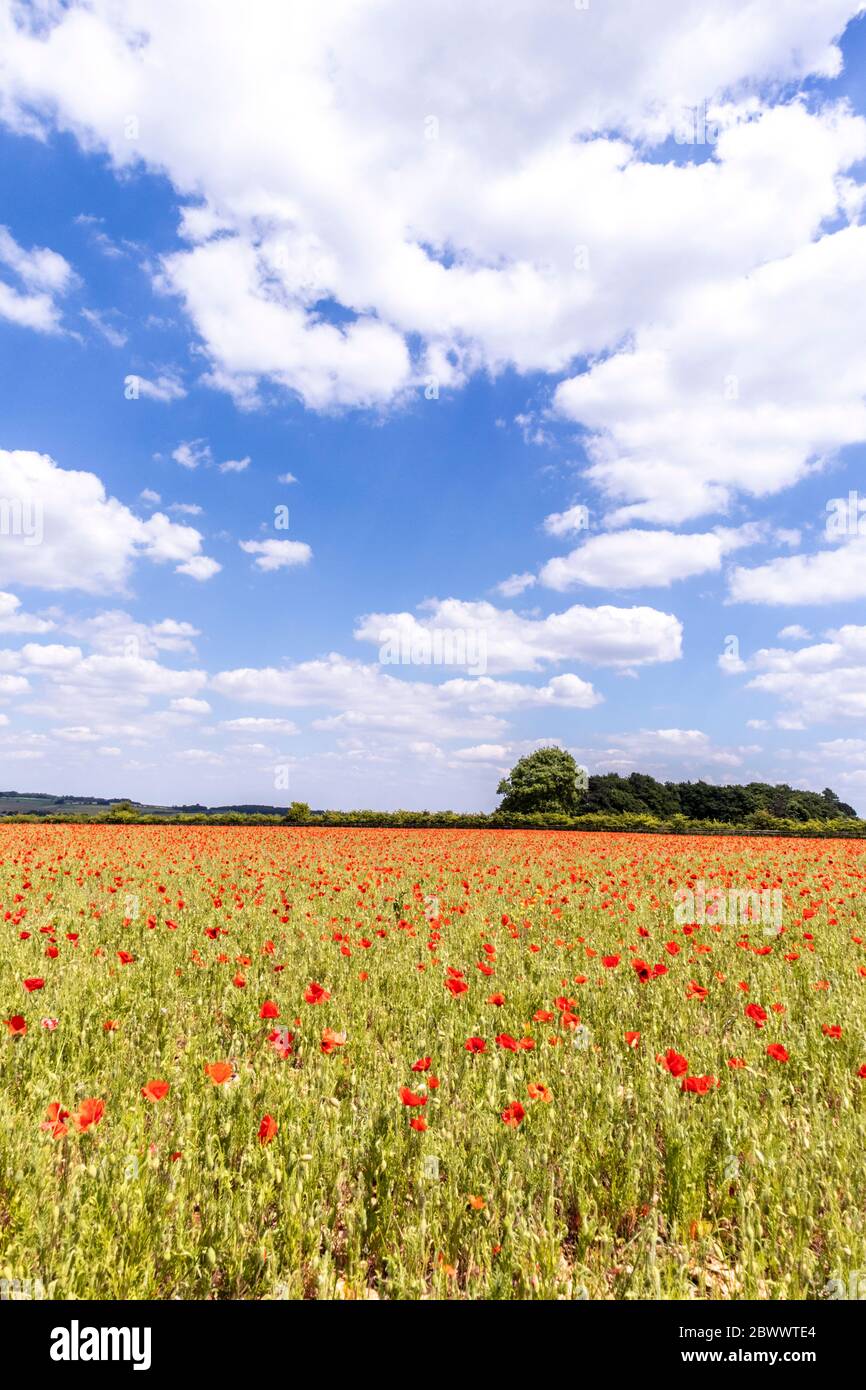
pixel 45 276
pixel 815 684
pixel 187 704
pixel 166 387
pixel 286 478
pixel 116 633
pixel 827 576
pixel 370 699
pixel 13 685
pixel 441 201
pixel 13 619
pixel 671 752
pixel 51 656
pixel 636 559
pixel 251 724
pixel 76 537
pixel 566 523
pixel 235 465
pixel 482 753
pixel 190 453
pixel 199 567
pixel 98 321
pixel 277 555
pixel 506 641
pixel 743 391
pixel 515 584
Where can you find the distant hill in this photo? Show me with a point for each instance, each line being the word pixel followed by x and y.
pixel 45 803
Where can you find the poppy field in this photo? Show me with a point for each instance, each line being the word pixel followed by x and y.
pixel 301 1063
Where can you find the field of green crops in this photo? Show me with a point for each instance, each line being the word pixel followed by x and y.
pixel 279 1063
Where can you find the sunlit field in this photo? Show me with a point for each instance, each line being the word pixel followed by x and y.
pixel 256 1063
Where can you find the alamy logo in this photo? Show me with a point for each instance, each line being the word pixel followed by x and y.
pixel 449 646
pixel 729 907
pixel 75 1343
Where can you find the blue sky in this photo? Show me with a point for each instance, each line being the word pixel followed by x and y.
pixel 558 392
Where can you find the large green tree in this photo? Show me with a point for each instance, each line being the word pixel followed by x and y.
pixel 546 780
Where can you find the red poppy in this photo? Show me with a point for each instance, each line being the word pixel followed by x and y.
pixel 456 986
pixel 423 1064
pixel 513 1114
pixel 674 1062
pixel 699 1085
pixel 475 1045
pixel 315 994
pixel 155 1090
pixel 31 985
pixel 756 1014
pixel 281 1041
pixel 632 1040
pixel 331 1041
pixel 54 1121
pixel 418 1122
pixel 219 1072
pixel 736 1062
pixel 125 958
pixel 505 1041
pixel 269 1010
pixel 267 1129
pixel 411 1097
pixel 610 962
pixel 17 1025
pixel 89 1112
pixel 777 1052
pixel 536 1091
pixel 831 1030
pixel 497 999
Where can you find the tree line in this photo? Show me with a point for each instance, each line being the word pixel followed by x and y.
pixel 549 780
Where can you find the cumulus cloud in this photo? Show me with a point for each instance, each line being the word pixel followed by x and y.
pixel 369 698
pixel 742 392
pixel 814 684
pixel 428 203
pixel 671 752
pixel 116 633
pixel 515 584
pixel 482 753
pixel 259 724
pixel 827 576
pixel 44 276
pixel 166 387
pixel 603 636
pixel 190 453
pixel 14 619
pixel 73 536
pixel 277 555
pixel 637 559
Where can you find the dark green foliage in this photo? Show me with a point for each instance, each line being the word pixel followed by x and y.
pixel 640 794
pixel 545 780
